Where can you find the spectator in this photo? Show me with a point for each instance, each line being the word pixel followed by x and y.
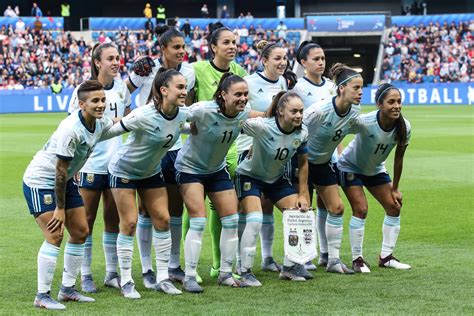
pixel 147 12
pixel 66 13
pixel 281 30
pixel 249 15
pixel 241 15
pixel 224 12
pixel 9 12
pixel 149 25
pixel 36 11
pixel 38 25
pixel 160 15
pixel 204 11
pixel 17 10
pixel 186 28
pixel 260 31
pixel 20 26
pixel 56 86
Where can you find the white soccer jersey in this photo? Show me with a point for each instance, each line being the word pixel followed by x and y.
pixel 117 98
pixel 327 128
pixel 311 92
pixel 71 141
pixel 152 134
pixel 367 152
pixel 272 148
pixel 261 93
pixel 205 152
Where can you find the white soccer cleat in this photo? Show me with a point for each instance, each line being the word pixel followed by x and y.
pixel 167 287
pixel 112 280
pixel 336 266
pixel 392 262
pixel 44 300
pixel 149 279
pixel 128 291
pixel 71 294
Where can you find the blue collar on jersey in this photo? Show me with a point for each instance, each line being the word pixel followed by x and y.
pixel 380 125
pixel 281 129
pixel 335 108
pixel 266 79
pixel 83 121
pixel 323 81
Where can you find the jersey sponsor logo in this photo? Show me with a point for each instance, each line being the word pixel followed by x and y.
pixel 215 83
pixel 296 143
pixel 309 94
pixel 247 186
pixel 157 129
pixel 271 139
pixel 215 124
pixel 48 199
pixel 260 90
pixel 90 177
pixel 371 136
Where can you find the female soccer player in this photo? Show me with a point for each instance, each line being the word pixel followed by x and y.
pixel 222 44
pixel 53 198
pixel 313 88
pixel 173 49
pixel 201 168
pixel 136 168
pixel 328 123
pixel 275 141
pixel 263 86
pixel 93 177
pixel 363 164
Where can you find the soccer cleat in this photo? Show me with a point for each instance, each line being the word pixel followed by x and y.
pixel 360 266
pixel 289 273
pixel 227 279
pixel 149 279
pixel 392 262
pixel 214 272
pixel 323 259
pixel 44 300
pixel 191 285
pixel 336 266
pixel 87 284
pixel 128 291
pixel 112 279
pixel 167 287
pixel 268 264
pixel 176 274
pixel 250 279
pixel 69 293
pixel 301 271
pixel 310 266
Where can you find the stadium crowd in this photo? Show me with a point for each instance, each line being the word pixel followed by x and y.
pixel 432 53
pixel 35 58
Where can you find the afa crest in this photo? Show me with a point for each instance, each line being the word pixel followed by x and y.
pixel 296 143
pixel 241 123
pixel 90 177
pixel 181 125
pixel 247 186
pixel 48 199
pixel 350 176
pixel 123 180
pixel 293 238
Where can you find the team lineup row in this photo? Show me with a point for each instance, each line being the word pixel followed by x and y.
pixel 255 142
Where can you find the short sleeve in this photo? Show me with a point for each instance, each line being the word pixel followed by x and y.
pixel 253 127
pixel 312 115
pixel 356 125
pixel 127 99
pixel 73 102
pixel 67 143
pixel 408 125
pixel 131 122
pixel 190 78
pixel 138 81
pixel 195 112
pixel 303 148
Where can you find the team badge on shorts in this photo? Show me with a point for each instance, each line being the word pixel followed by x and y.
pixel 90 177
pixel 293 237
pixel 247 186
pixel 48 199
pixel 241 123
pixel 296 143
pixel 350 176
pixel 123 180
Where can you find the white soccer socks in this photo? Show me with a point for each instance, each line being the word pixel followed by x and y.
pixel 144 240
pixel 176 223
pixel 321 216
pixel 334 235
pixel 229 242
pixel 47 258
pixel 192 244
pixel 267 233
pixel 248 241
pixel 73 255
pixel 356 236
pixel 162 244
pixel 125 255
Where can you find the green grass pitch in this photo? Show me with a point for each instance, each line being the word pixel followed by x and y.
pixel 436 238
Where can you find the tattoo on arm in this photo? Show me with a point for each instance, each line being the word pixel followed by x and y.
pixel 60 183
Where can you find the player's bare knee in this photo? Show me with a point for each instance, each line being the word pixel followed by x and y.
pixel 393 210
pixel 338 209
pixel 360 210
pixel 129 228
pixel 55 238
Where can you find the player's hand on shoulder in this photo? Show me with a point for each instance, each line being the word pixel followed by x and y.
pixel 143 66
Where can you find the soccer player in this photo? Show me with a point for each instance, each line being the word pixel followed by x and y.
pixel 263 86
pixel 312 88
pixel 53 198
pixel 136 168
pixel 363 164
pixel 201 169
pixel 276 140
pixel 173 49
pixel 222 44
pixel 93 177
pixel 328 123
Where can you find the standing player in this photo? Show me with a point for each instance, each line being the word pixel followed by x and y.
pixel 53 198
pixel 275 141
pixel 93 178
pixel 314 88
pixel 173 49
pixel 263 86
pixel 328 123
pixel 201 168
pixel 363 164
pixel 136 168
pixel 222 44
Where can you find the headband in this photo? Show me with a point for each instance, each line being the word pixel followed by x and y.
pixel 349 78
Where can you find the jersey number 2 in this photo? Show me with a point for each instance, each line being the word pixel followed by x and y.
pixel 170 138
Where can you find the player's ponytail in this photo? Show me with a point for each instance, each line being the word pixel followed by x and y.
pixel 400 125
pixel 162 78
pixel 304 49
pixel 96 55
pixel 342 74
pixel 227 80
pixel 166 34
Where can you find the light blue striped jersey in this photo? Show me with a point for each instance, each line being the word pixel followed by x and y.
pixel 311 92
pixel 272 148
pixel 152 134
pixel 327 128
pixel 367 152
pixel 71 141
pixel 117 98
pixel 261 93
pixel 205 152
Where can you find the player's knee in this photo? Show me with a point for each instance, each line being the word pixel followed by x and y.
pixel 337 209
pixel 55 238
pixel 129 227
pixel 394 209
pixel 79 234
pixel 360 210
